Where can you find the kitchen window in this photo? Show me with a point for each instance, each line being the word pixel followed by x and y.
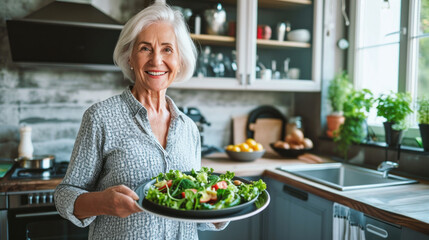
pixel 389 52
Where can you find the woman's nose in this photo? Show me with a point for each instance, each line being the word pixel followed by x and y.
pixel 156 58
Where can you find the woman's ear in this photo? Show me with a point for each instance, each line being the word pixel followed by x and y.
pixel 129 63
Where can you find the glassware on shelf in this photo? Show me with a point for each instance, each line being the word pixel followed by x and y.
pixel 275 74
pixel 234 61
pixel 286 68
pixel 218 66
pixel 203 62
pixel 258 67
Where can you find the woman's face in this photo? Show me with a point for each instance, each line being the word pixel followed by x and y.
pixel 155 57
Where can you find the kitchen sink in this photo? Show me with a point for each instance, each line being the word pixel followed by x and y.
pixel 344 176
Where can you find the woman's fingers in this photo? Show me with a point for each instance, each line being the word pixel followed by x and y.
pixel 121 201
pixel 127 191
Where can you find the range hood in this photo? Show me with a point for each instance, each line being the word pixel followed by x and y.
pixel 65 34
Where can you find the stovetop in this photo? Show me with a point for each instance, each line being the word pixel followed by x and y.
pixel 57 171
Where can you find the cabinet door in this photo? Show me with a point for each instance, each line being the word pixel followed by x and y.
pixel 218 66
pixel 253 54
pixel 411 234
pixel 246 229
pixel 296 214
pixel 283 63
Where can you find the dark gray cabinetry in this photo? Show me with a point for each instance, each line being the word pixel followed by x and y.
pixel 296 214
pixel 408 234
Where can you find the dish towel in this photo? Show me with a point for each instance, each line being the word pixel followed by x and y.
pixel 348 224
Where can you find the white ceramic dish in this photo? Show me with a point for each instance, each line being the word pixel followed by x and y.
pixel 299 35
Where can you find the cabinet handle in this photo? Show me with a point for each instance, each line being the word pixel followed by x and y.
pixel 295 192
pixel 377 231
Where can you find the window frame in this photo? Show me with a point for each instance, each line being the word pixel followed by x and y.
pixel 408 66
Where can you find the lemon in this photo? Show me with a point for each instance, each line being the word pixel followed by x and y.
pixel 251 142
pixel 244 146
pixel 248 150
pixel 236 149
pixel 258 147
pixel 230 147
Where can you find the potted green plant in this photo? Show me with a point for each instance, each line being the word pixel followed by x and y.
pixel 423 119
pixel 394 107
pixel 338 90
pixel 356 110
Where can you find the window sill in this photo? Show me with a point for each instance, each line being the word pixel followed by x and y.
pixel 383 145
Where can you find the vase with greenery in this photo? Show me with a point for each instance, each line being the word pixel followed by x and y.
pixel 338 90
pixel 423 119
pixel 395 108
pixel 356 110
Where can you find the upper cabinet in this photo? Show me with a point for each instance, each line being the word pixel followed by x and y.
pixel 265 45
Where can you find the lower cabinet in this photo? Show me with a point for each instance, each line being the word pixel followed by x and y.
pixel 296 214
pixel 408 234
pixel 246 229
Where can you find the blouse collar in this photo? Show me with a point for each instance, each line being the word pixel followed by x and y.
pixel 135 106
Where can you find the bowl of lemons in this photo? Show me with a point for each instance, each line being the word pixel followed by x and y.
pixel 248 151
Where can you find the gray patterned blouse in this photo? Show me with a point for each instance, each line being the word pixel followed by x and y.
pixel 115 145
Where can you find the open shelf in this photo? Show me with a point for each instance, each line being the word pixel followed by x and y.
pixel 213 39
pixel 281 44
pixel 283 3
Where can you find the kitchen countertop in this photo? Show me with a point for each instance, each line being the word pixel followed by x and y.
pixel 16 185
pixel 405 205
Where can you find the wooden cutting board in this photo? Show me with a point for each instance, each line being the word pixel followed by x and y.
pixel 239 129
pixel 267 130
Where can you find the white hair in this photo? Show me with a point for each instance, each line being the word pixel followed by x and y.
pixel 157 12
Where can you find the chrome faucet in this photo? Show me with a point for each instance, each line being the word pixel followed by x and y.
pixel 386 166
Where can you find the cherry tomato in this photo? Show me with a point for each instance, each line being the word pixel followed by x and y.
pixel 220 185
pixel 169 183
pixel 193 190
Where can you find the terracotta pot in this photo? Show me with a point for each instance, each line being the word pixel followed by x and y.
pixel 334 122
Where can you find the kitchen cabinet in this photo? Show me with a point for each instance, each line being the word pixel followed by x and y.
pixel 252 54
pixel 296 214
pixel 411 234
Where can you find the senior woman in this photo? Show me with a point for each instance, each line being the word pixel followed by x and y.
pixel 127 139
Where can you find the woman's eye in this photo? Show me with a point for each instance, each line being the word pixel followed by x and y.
pixel 169 50
pixel 144 48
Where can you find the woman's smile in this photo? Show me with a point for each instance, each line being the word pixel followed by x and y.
pixel 155 57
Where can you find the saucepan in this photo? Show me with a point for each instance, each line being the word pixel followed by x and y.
pixel 36 162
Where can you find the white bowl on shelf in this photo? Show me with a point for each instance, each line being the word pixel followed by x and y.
pixel 299 35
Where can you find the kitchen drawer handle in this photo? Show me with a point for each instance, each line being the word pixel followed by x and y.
pixel 295 192
pixel 23 215
pixel 377 231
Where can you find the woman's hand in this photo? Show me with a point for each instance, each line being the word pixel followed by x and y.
pixel 117 201
pixel 120 201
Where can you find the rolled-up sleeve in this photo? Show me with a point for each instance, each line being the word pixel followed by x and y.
pixel 84 168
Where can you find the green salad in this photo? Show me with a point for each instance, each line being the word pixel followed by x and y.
pixel 202 190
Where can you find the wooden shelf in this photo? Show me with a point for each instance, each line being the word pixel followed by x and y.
pixel 283 3
pixel 281 44
pixel 214 39
pixel 230 41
